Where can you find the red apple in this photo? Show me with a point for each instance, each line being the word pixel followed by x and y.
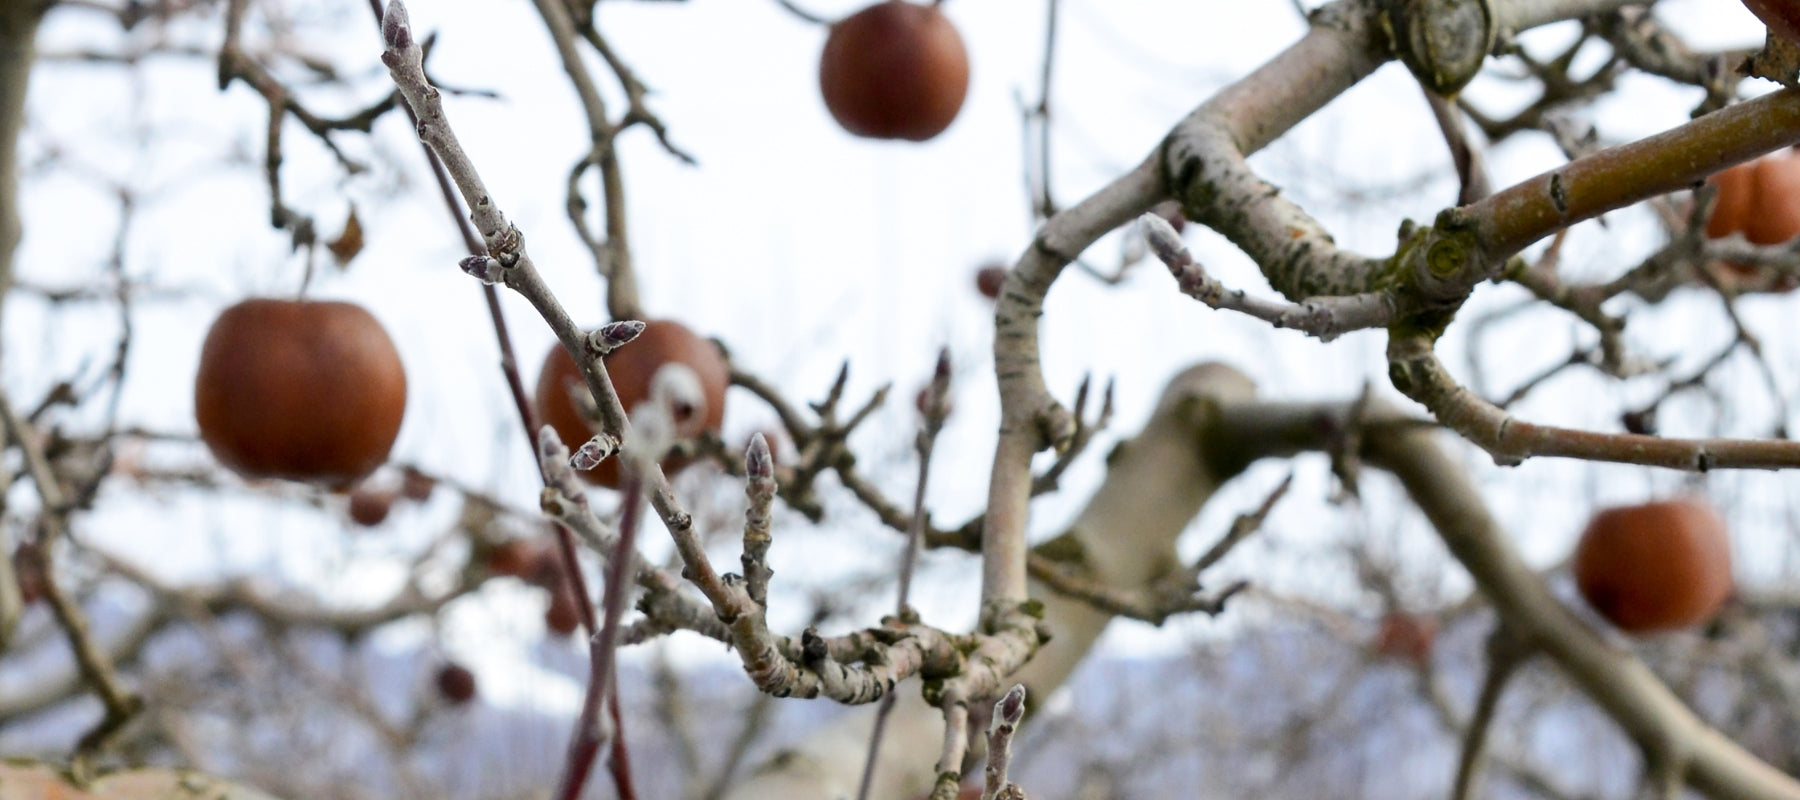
pixel 1655 567
pixel 369 507
pixel 301 390
pixel 1761 200
pixel 894 70
pixel 456 683
pixel 1408 637
pixel 562 617
pixel 513 557
pixel 989 279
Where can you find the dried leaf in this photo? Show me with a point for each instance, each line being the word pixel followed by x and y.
pixel 348 243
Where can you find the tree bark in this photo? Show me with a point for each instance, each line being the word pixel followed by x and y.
pixel 1124 537
pixel 18 31
pixel 1206 429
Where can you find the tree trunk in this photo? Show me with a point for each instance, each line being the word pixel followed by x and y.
pixel 18 30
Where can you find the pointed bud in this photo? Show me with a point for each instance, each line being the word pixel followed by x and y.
pixel 482 268
pixel 933 401
pixel 550 446
pixel 1011 707
pixel 1163 239
pixel 560 484
pixel 614 335
pixel 396 28
pixel 759 463
pixel 596 450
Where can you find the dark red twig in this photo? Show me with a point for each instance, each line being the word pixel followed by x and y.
pixel 585 744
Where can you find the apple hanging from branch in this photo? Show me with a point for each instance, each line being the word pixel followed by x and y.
pixel 299 389
pixel 1655 567
pixel 894 70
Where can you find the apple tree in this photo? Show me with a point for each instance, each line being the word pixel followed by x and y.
pixel 1388 296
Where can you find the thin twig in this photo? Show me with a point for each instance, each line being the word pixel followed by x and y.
pixel 1417 372
pixel 956 746
pixel 936 409
pixel 96 665
pixel 1044 205
pixel 1471 172
pixel 1505 652
pixel 590 733
pixel 618 762
pixel 748 731
pixel 1008 711
pixel 476 242
pixel 1323 317
pixel 802 13
pixel 673 386
pixel 1175 593
pixel 759 487
pixel 613 256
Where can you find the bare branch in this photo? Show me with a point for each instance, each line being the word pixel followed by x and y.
pixel 1418 373
pixel 1324 317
